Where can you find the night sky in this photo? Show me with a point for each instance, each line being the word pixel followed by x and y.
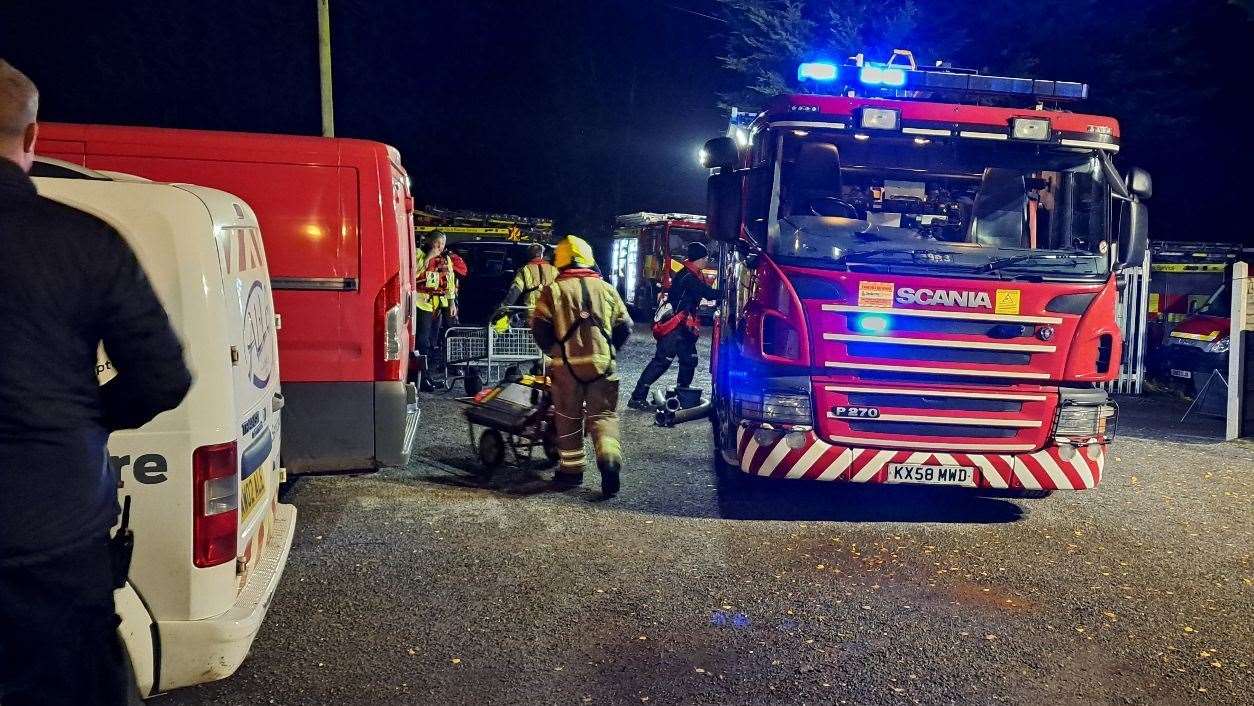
pixel 570 109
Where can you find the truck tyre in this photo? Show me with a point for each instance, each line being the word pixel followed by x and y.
pixel 729 476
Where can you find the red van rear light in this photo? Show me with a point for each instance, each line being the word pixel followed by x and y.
pixel 215 504
pixel 392 323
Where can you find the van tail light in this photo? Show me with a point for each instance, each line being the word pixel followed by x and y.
pixel 392 323
pixel 775 322
pixel 215 504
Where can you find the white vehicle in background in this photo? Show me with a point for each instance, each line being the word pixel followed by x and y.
pixel 211 538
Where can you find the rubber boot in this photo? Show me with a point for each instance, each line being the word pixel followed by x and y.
pixel 566 481
pixel 610 481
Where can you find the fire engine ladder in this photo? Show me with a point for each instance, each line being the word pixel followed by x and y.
pixel 1132 314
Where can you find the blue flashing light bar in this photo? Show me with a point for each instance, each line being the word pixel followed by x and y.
pixel 891 78
pixel 877 75
pixel 872 323
pixel 817 71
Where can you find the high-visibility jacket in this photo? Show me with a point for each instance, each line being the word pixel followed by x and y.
pixel 580 320
pixel 437 284
pixel 529 281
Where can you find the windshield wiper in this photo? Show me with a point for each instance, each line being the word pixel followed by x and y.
pixel 930 257
pixel 1016 259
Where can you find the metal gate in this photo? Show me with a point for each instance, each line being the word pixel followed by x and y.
pixel 1132 313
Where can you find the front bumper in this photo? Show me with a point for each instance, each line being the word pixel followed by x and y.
pixel 199 651
pixel 1051 468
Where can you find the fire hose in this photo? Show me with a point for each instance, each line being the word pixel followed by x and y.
pixel 672 413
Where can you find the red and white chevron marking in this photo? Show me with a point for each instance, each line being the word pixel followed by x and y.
pixel 1052 468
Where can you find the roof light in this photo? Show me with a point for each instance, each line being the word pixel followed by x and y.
pixel 880 119
pixel 1030 129
pixel 817 71
pixel 877 75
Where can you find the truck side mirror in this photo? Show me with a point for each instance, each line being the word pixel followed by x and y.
pixel 1140 183
pixel 1133 233
pixel 722 218
pixel 720 153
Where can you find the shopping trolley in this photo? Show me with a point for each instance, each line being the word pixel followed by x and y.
pixel 481 355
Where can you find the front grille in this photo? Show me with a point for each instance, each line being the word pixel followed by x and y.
pixel 892 351
pixel 923 429
pixel 932 403
pixel 909 324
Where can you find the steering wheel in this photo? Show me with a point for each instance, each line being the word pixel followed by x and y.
pixel 827 206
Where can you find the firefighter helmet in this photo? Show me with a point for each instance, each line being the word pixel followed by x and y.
pixel 573 250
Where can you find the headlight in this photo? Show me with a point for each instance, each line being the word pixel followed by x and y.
pixel 775 408
pixel 1218 346
pixel 1085 420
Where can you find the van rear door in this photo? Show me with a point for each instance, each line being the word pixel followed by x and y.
pixel 254 357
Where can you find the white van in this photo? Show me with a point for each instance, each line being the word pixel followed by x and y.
pixel 211 538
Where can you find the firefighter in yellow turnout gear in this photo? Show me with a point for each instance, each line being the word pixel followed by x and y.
pixel 528 282
pixel 580 321
pixel 531 279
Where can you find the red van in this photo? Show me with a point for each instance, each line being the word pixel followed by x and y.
pixel 336 216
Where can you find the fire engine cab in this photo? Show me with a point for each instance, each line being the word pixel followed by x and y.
pixel 921 281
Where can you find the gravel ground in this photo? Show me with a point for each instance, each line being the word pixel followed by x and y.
pixel 431 585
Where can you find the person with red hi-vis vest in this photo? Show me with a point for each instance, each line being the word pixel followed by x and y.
pixel 677 332
pixel 437 294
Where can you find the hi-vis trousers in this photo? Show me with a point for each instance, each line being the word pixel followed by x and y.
pixel 575 404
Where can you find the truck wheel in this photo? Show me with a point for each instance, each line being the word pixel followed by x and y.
pixel 491 449
pixel 727 474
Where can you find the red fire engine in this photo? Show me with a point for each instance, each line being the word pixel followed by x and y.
pixel 922 288
pixel 647 251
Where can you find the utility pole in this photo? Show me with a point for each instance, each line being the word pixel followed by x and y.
pixel 324 66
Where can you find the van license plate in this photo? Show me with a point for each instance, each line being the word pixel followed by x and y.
pixel 253 490
pixel 1186 374
pixel 931 475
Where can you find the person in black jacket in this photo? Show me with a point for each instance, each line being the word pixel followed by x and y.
pixel 70 284
pixel 678 334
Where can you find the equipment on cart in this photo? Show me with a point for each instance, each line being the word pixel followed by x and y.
pixel 517 418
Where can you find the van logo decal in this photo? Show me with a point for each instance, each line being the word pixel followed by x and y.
pixel 258 348
pixel 944 297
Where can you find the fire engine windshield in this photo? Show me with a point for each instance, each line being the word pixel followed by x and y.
pixel 902 203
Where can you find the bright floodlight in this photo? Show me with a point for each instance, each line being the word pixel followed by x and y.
pixel 1030 128
pixel 817 71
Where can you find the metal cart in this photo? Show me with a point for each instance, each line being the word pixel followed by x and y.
pixel 482 356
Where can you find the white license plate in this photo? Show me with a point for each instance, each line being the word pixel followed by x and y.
pixel 931 475
pixel 1187 374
